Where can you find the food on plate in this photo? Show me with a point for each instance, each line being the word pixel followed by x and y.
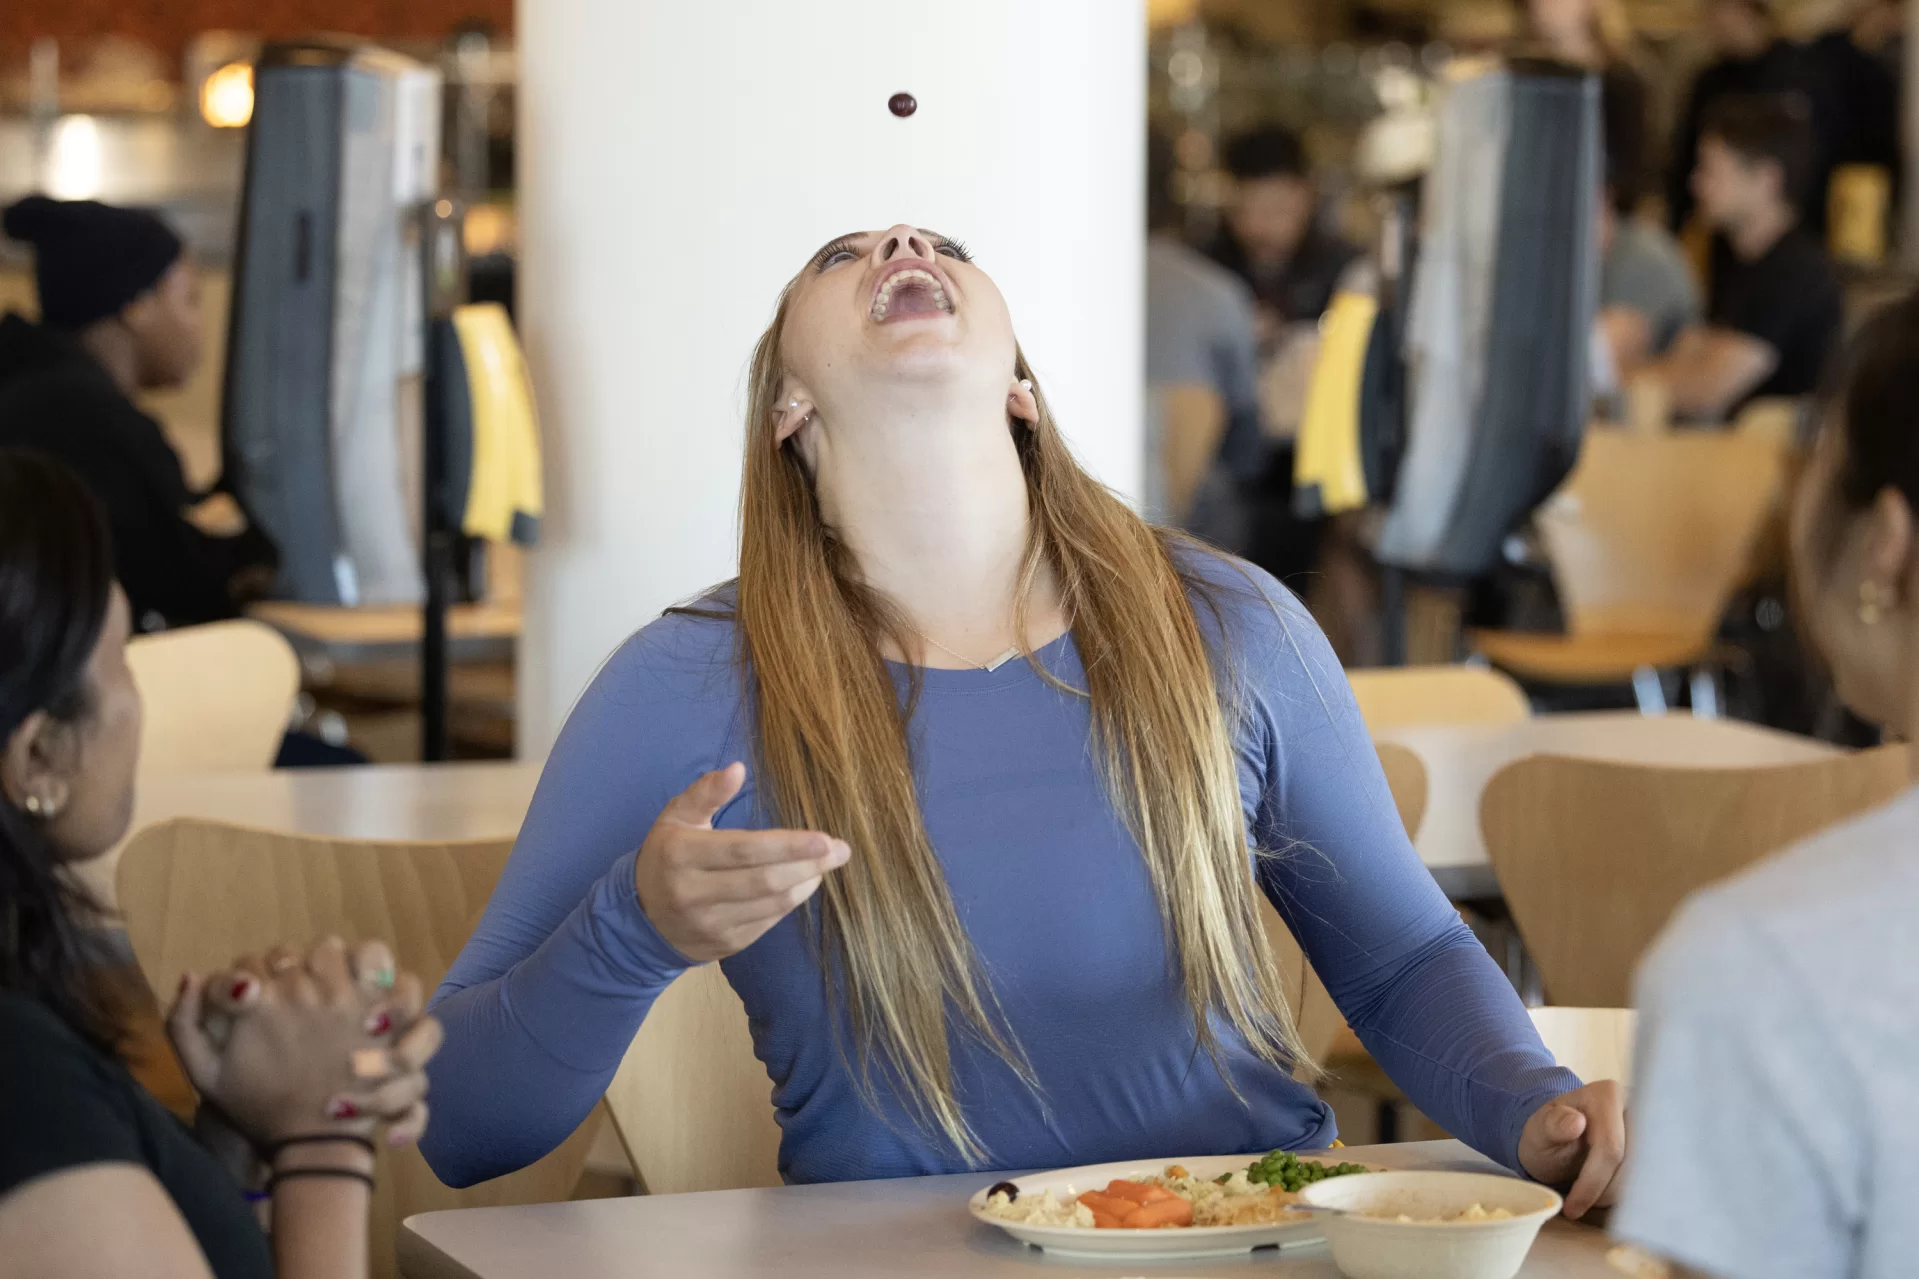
pixel 1253 1196
pixel 1473 1212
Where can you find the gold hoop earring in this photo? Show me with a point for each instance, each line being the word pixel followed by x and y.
pixel 1874 600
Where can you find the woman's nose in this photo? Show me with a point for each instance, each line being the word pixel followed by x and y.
pixel 903 241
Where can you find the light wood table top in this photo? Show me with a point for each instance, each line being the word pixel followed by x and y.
pixel 379 801
pixel 857 1230
pixel 1461 759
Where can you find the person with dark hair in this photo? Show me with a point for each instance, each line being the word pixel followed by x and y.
pixel 298 1059
pixel 1273 238
pixel 1753 58
pixel 1200 336
pixel 1779 1014
pixel 1775 309
pixel 120 314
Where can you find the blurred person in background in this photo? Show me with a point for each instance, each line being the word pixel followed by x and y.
pixel 1752 58
pixel 1273 238
pixel 1202 369
pixel 1774 309
pixel 1779 1013
pixel 1647 295
pixel 119 315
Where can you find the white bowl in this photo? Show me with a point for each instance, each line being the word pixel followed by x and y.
pixel 1368 1243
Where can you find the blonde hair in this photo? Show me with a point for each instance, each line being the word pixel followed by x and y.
pixel 833 755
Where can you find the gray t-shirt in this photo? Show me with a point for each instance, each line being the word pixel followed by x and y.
pixel 1775 1124
pixel 1199 330
pixel 1645 270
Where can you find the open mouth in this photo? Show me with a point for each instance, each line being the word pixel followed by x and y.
pixel 909 293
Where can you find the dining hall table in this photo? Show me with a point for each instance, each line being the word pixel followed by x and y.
pixel 915 1226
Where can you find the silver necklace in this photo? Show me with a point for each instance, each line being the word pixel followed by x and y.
pixel 993 665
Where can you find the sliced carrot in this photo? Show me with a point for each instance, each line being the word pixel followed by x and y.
pixel 1106 1221
pixel 1108 1204
pixel 1168 1212
pixel 1137 1192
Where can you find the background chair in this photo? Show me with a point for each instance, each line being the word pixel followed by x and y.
pixel 1398 697
pixel 1648 540
pixel 218 697
pixel 1594 857
pixel 1593 1043
pixel 196 894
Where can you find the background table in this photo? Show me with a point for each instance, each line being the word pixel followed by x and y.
pixel 380 801
pixel 1460 760
pixel 856 1230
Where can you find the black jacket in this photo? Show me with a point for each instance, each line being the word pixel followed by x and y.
pixel 56 399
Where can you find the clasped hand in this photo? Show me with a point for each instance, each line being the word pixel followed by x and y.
pixel 332 1042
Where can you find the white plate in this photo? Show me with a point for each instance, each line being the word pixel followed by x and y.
pixel 1189 1243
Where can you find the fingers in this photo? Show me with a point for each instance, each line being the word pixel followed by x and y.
pixel 232 993
pixel 199 1057
pixel 326 966
pixel 789 883
pixel 282 959
pixel 737 849
pixel 698 803
pixel 1604 1114
pixel 416 1048
pixel 373 967
pixel 389 1100
pixel 408 1128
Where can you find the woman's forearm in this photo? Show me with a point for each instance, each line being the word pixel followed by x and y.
pixel 322 1195
pixel 530 1052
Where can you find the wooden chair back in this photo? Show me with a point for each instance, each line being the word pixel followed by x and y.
pixel 196 894
pixel 1595 856
pixel 1593 1043
pixel 1652 533
pixel 1397 697
pixel 217 697
pixel 1318 1018
pixel 693 1105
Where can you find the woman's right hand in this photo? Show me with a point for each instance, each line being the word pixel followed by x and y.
pixel 712 893
pixel 293 1049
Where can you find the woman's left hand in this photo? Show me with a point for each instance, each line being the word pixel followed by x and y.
pixel 1578 1138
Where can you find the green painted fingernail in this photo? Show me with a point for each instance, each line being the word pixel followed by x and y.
pixel 383 978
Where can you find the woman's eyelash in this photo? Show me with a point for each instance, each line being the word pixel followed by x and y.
pixel 957 248
pixel 833 250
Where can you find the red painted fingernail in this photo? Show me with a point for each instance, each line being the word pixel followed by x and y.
pixel 379 1023
pixel 241 989
pixel 342 1109
pixel 186 979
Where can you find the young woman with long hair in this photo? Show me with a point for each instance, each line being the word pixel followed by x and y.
pixel 970 781
pixel 96 1178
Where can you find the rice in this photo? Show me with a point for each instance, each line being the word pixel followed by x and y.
pixel 1041 1210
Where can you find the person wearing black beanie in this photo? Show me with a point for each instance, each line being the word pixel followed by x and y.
pixel 119 315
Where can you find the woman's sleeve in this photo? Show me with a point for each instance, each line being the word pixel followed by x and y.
pixel 1411 979
pixel 546 997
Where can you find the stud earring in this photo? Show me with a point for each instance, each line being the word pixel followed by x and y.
pixel 1026 384
pixel 1874 600
pixel 33 805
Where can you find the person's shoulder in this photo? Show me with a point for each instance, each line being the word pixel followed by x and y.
pixel 1238 601
pixel 684 648
pixel 1200 273
pixel 1837 898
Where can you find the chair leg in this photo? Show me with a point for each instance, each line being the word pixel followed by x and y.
pixel 1649 691
pixel 1706 700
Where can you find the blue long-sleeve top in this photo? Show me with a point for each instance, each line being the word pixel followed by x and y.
pixel 546 997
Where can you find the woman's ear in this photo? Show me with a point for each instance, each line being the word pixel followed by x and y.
pixel 1889 543
pixel 790 412
pixel 31 778
pixel 1022 404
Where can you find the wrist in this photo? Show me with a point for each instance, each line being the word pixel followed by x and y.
pixel 341 1153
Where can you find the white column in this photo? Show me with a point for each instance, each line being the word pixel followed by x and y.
pixel 678 161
